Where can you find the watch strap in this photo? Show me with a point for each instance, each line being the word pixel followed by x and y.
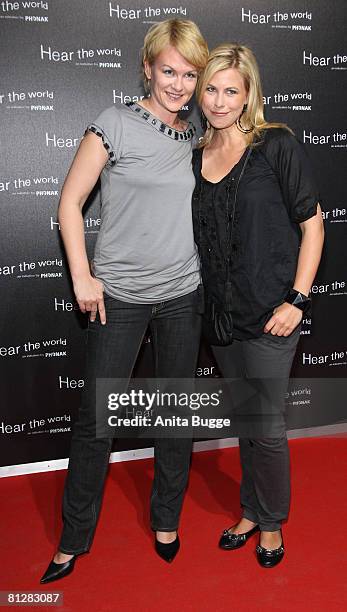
pixel 298 299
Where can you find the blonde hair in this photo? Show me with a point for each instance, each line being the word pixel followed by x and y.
pixel 182 34
pixel 234 55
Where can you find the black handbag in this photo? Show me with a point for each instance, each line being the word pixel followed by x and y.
pixel 217 320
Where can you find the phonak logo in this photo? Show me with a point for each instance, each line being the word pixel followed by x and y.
pixel 123 98
pixel 335 140
pixel 62 305
pixel 336 287
pixel 37 100
pixel 70 383
pixel 39 186
pixel 291 20
pixel 60 142
pixel 34 426
pixel 118 96
pixel 125 14
pixel 306 327
pixel 45 347
pixel 95 58
pixel 332 62
pixel 336 215
pixel 42 269
pixel 18 10
pixel 91 224
pixel 335 358
pixel 298 396
pixel 294 101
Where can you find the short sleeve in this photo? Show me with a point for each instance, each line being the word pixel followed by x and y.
pixel 108 126
pixel 289 160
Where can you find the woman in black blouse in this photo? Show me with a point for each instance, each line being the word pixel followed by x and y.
pixel 254 205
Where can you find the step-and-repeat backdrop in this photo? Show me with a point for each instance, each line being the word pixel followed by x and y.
pixel 62 62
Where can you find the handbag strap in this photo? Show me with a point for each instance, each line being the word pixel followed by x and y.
pixel 230 233
pixel 228 189
pixel 198 167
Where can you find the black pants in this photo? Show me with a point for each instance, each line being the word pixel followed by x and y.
pixel 265 486
pixel 112 351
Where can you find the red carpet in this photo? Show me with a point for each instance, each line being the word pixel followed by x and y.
pixel 122 572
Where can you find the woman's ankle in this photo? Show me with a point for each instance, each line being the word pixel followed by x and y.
pixel 166 537
pixel 61 557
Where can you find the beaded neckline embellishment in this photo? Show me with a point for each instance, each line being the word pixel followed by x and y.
pixel 160 126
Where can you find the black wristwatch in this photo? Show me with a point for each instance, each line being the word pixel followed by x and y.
pixel 300 300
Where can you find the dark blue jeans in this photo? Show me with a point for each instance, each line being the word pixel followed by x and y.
pixel 112 350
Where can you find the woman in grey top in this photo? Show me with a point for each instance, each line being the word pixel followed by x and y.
pixel 145 272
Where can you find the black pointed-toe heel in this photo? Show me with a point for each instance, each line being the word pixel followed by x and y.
pixel 270 558
pixel 167 551
pixel 55 571
pixel 232 541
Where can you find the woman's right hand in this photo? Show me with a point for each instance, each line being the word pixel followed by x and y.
pixel 89 292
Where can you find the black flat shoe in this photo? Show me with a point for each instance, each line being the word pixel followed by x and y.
pixel 55 571
pixel 270 558
pixel 167 551
pixel 231 541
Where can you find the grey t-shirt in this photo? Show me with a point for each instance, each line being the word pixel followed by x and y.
pixel 145 250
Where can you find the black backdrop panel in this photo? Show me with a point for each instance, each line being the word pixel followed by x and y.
pixel 62 62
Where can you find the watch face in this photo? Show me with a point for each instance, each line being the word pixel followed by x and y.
pixel 298 299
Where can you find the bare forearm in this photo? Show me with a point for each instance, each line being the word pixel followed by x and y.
pixel 286 317
pixel 72 232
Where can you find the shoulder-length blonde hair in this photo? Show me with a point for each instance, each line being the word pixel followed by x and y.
pixel 182 34
pixel 234 55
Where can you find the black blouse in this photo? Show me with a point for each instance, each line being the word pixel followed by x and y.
pixel 275 193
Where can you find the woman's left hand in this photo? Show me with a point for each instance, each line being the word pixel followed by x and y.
pixel 284 320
